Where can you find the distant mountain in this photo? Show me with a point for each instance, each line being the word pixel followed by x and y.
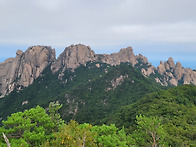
pixel 21 71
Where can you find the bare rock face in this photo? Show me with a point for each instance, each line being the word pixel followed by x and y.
pixel 24 68
pixel 171 62
pixel 73 56
pixel 123 56
pixel 142 58
pixel 161 68
pixel 173 74
pixel 76 55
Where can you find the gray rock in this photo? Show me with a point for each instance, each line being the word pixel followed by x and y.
pixel 24 68
pixel 161 68
pixel 171 62
pixel 123 56
pixel 76 55
pixel 172 74
pixel 73 56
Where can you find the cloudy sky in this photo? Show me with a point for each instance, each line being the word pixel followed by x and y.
pixel 157 29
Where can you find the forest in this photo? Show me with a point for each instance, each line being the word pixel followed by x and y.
pixel 162 118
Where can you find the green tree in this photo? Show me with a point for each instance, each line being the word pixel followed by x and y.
pixel 149 131
pixel 32 126
pixel 108 136
pixel 55 116
pixel 73 135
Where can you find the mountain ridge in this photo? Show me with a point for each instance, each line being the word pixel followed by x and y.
pixel 22 70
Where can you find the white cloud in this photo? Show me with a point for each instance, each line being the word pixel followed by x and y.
pixel 164 32
pixel 50 21
pixel 103 23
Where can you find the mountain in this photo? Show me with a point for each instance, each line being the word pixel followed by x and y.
pixel 21 71
pixel 96 99
pixel 84 82
pixel 175 74
pixel 88 94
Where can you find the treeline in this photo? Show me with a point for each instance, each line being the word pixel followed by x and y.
pixel 35 127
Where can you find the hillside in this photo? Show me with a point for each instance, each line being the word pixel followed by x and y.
pixel 96 99
pixel 88 94
pixel 45 89
pixel 175 106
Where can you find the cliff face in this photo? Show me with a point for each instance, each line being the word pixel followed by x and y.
pixel 174 74
pixel 24 68
pixel 76 55
pixel 123 56
pixel 73 56
pixel 171 73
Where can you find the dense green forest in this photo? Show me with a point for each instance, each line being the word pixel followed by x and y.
pixel 88 90
pixel 99 98
pixel 35 127
pixel 163 118
pixel 176 107
pixel 102 105
pixel 47 87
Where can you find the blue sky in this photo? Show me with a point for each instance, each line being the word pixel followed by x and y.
pixel 157 29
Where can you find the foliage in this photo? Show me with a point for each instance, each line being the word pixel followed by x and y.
pixel 41 92
pixel 95 100
pixel 31 126
pixel 176 106
pixel 149 131
pixel 88 96
pixel 55 116
pixel 47 87
pixel 111 136
pixel 73 134
pixel 34 128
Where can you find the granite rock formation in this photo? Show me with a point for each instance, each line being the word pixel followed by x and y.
pixel 174 74
pixel 24 68
pixel 73 56
pixel 76 55
pixel 123 56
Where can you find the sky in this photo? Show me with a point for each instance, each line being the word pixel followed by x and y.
pixel 157 29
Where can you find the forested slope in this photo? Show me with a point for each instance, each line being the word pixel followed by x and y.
pixel 176 107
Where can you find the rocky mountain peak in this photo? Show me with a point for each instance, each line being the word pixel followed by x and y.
pixel 24 68
pixel 27 66
pixel 174 73
pixel 123 56
pixel 178 65
pixel 171 62
pixel 73 56
pixel 19 53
